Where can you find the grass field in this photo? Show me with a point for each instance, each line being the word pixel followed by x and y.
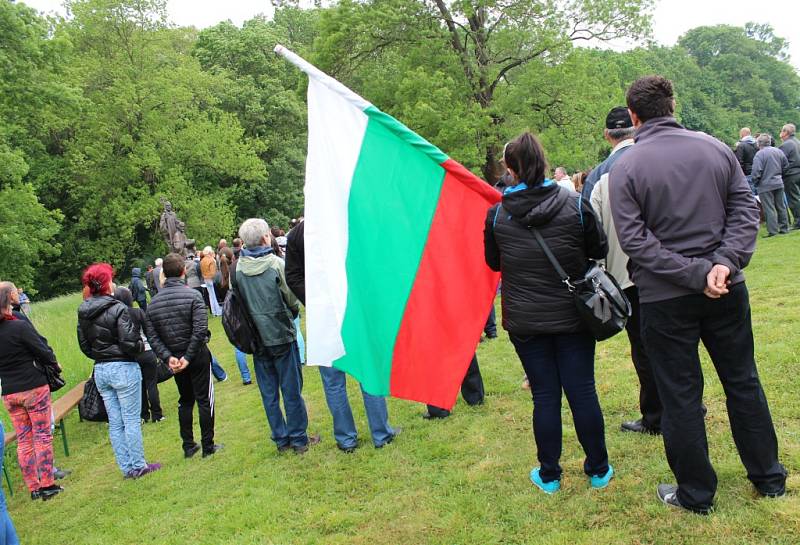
pixel 462 480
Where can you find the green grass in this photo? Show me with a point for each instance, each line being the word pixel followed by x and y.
pixel 462 480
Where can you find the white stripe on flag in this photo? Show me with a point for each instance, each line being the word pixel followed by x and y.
pixel 336 130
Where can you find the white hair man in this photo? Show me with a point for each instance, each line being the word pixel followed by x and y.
pixel 158 275
pixel 260 280
pixel 791 178
pixel 562 178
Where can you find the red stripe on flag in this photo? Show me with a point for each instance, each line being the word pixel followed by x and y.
pixel 451 297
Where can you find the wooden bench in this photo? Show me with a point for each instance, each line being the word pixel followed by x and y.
pixel 61 408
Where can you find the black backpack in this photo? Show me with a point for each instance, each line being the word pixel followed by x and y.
pixel 91 406
pixel 237 323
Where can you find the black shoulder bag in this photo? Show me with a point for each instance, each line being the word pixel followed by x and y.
pixel 601 303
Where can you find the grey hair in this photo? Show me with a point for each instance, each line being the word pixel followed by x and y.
pixel 764 140
pixel 621 134
pixel 253 231
pixel 6 289
pixel 789 129
pixel 159 262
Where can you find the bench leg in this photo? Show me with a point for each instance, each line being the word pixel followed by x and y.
pixel 64 437
pixel 8 480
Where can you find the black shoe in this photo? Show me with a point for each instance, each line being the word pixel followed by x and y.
pixel 491 336
pixel 427 415
pixel 214 449
pixel 36 495
pixel 772 494
pixel 284 448
pixel 397 431
pixel 159 419
pixel 191 452
pixel 247 383
pixel 668 494
pixel 59 474
pixel 312 440
pixel 346 450
pixel 49 491
pixel 769 235
pixel 637 426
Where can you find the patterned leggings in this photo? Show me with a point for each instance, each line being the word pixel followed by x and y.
pixel 30 414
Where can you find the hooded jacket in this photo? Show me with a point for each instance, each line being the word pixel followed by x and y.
pixel 261 281
pixel 106 332
pixel 137 288
pixel 535 300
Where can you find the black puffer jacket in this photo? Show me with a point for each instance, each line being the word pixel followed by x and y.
pixel 535 301
pixel 106 331
pixel 176 323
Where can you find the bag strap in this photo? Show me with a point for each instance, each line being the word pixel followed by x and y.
pixel 552 258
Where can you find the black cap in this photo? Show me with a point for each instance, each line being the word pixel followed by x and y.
pixel 618 118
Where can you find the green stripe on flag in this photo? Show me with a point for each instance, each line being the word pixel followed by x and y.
pixel 406 134
pixel 393 198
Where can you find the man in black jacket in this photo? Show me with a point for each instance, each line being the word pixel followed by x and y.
pixel 688 222
pixel 176 325
pixel 791 179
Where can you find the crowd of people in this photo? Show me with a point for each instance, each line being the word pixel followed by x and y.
pixel 673 214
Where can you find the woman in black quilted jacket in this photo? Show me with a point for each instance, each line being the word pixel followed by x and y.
pixel 107 335
pixel 556 350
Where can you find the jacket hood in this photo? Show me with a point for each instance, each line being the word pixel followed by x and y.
pixel 253 266
pixel 136 272
pixel 94 306
pixel 749 139
pixel 536 206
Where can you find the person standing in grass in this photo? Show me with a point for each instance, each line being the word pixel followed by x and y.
pixel 26 394
pixel 108 335
pixel 686 218
pixel 176 325
pixel 147 360
pixel 334 381
pixel 556 349
pixel 260 280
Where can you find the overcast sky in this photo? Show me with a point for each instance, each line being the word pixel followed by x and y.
pixel 671 19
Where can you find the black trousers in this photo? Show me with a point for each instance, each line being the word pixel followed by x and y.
pixel 195 386
pixel 672 331
pixel 151 401
pixel 649 402
pixel 471 389
pixel 491 323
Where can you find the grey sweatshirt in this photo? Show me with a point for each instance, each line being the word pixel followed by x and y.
pixel 681 204
pixel 769 166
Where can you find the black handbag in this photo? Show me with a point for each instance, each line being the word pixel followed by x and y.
pixel 602 305
pixel 54 379
pixel 91 406
pixel 163 372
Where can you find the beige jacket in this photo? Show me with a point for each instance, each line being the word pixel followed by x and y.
pixel 616 261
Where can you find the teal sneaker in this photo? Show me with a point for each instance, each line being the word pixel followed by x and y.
pixel 601 481
pixel 548 488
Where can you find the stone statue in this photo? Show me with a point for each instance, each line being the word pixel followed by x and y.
pixel 173 229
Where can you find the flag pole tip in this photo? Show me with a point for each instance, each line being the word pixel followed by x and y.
pixel 279 48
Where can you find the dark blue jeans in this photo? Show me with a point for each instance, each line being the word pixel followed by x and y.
pixel 278 374
pixel 553 363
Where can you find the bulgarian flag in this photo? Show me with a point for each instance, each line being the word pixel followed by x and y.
pixel 397 289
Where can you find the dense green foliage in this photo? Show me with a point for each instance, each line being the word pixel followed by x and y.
pixel 112 109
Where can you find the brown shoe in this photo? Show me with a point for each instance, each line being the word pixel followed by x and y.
pixel 312 440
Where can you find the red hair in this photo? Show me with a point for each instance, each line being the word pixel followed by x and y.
pixel 96 278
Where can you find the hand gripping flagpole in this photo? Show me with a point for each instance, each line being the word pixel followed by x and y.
pixel 322 77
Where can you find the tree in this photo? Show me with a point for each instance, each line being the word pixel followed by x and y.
pixel 477 44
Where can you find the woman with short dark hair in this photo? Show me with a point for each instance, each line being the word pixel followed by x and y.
pixel 107 335
pixel 26 394
pixel 556 350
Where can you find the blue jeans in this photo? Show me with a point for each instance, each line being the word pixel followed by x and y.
pixel 553 363
pixel 120 384
pixel 217 370
pixel 8 534
pixel 278 374
pixel 344 427
pixel 241 361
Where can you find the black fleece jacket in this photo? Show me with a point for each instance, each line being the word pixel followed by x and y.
pixel 176 323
